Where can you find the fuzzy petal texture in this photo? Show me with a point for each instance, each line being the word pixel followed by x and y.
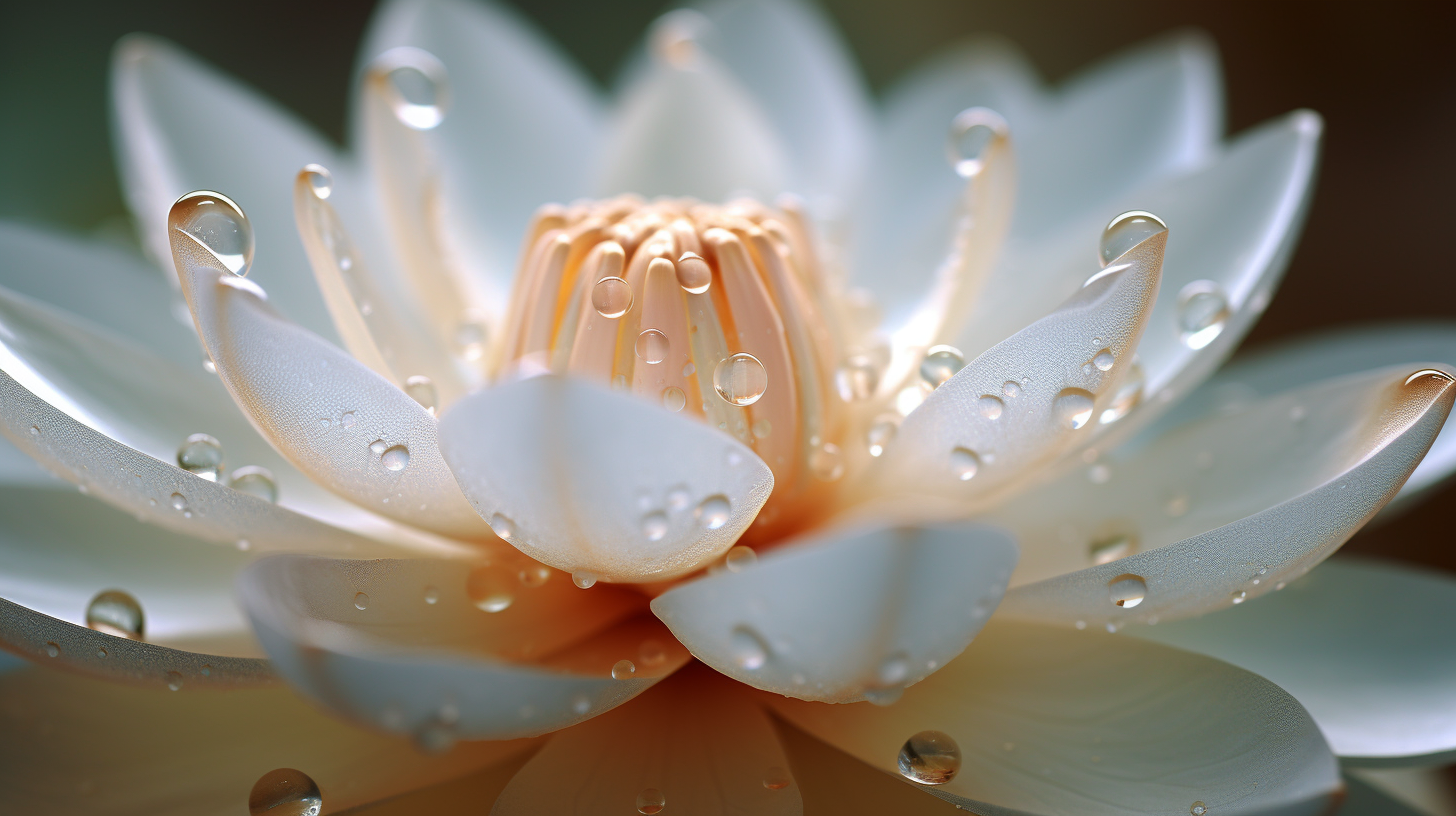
pixel 1353 642
pixel 1225 509
pixel 1055 722
pixel 848 615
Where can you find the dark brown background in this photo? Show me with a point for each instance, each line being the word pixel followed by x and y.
pixel 1378 245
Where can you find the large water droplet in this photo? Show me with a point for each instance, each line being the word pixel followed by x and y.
pixel 693 273
pixel 285 792
pixel 1202 312
pixel 202 455
pixel 652 346
pixel 881 434
pixel 940 364
pixel 972 133
pixel 1072 408
pixel 826 462
pixel 857 378
pixel 748 649
pixel 929 758
pixel 654 525
pixel 502 526
pixel 611 297
pixel 584 579
pixel 219 225
pixel 415 85
pixel 395 458
pixel 320 180
pixel 255 481
pixel 712 512
pixel 651 801
pixel 1127 590
pixel 740 379
pixel 489 589
pixel 422 390
pixel 990 406
pixel 1129 394
pixel 1127 231
pixel 964 463
pixel 623 669
pixel 116 613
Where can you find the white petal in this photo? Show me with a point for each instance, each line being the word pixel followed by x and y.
pixel 1364 646
pixel 592 481
pixel 791 60
pixel 845 616
pixel 74 745
pixel 521 129
pixel 1223 509
pixel 338 422
pixel 1029 399
pixel 1060 722
pixel 494 656
pixel 183 126
pixel 699 742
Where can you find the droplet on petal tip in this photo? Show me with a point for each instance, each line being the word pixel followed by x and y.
pixel 415 85
pixel 218 225
pixel 973 133
pixel 1127 231
pixel 285 792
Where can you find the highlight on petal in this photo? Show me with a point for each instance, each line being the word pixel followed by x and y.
pixel 1023 403
pixel 449 650
pixel 697 744
pixel 1065 723
pixel 76 745
pixel 1359 644
pixel 1224 509
pixel 849 616
pixel 338 422
pixel 601 484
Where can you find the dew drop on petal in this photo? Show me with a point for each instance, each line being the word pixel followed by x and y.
pixel 174 681
pixel 255 481
pixel 881 434
pixel 940 364
pixel 51 649
pixel 1198 809
pixel 623 669
pixel 747 648
pixel 826 462
pixel 489 589
pixel 653 653
pixel 894 669
pixel 929 758
pixel 219 225
pixel 395 458
pixel 179 502
pixel 422 389
pixel 415 85
pixel 1103 360
pixel 651 801
pixel 377 447
pixel 740 558
pixel 1011 389
pixel 654 525
pixel 856 379
pixel 972 133
pixel 584 579
pixel 1239 596
pixel 1072 408
pixel 320 180
pixel 693 273
pixel 611 297
pixel 673 398
pixel 1203 310
pixel 361 601
pixel 740 379
pixel 201 455
pixel 285 792
pixel 116 613
pixel 432 595
pixel 1127 590
pixel 502 526
pixel 652 346
pixel 1129 394
pixel 1107 550
pixel 1127 231
pixel 964 464
pixel 534 575
pixel 712 512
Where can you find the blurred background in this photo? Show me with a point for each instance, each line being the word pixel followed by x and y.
pixel 1378 246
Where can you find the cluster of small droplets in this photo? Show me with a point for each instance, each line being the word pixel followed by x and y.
pixel 202 455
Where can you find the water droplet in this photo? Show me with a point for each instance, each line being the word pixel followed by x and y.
pixel 584 579
pixel 34 431
pixel 826 462
pixel 320 180
pixel 990 406
pixel 174 681
pixel 611 297
pixel 101 651
pixel 654 525
pixel 377 447
pixel 1198 809
pixel 422 390
pixel 1202 312
pixel 1239 596
pixel 285 792
pixel 777 778
pixel 972 133
pixel 884 696
pixel 929 758
pixel 1072 408
pixel 856 379
pixel 395 458
pixel 489 589
pixel 940 364
pixel 361 601
pixel 470 338
pixel 502 526
pixel 748 649
pixel 964 463
pixel 255 481
pixel 116 613
pixel 1129 394
pixel 1011 389
pixel 650 802
pixel 179 502
pixel 1103 360
pixel 1127 590
pixel 673 398
pixel 894 670
pixel 348 420
pixel 1127 231
pixel 740 379
pixel 415 85
pixel 740 558
pixel 534 575
pixel 51 649
pixel 218 225
pixel 623 669
pixel 432 595
pixel 712 512
pixel 693 273
pixel 201 454
pixel 652 346
pixel 1107 550
pixel 881 434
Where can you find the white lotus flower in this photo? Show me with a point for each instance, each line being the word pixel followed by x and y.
pixel 794 431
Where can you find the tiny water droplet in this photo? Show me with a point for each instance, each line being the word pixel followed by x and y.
pixel 1127 231
pixel 1203 310
pixel 320 180
pixel 218 225
pixel 116 613
pixel 489 589
pixel 654 525
pixel 929 758
pixel 1127 590
pixel 1129 394
pixel 990 406
pixel 651 801
pixel 1103 360
pixel 201 454
pixel 51 649
pixel 611 297
pixel 285 792
pixel 972 133
pixel 777 778
pixel 712 512
pixel 1239 596
pixel 377 447
pixel 395 458
pixel 361 601
pixel 502 526
pixel 940 364
pixel 693 273
pixel 415 86
pixel 881 434
pixel 1107 550
pixel 856 379
pixel 652 346
pixel 179 502
pixel 740 379
pixel 422 390
pixel 584 579
pixel 534 575
pixel 174 681
pixel 673 398
pixel 623 669
pixel 470 339
pixel 747 648
pixel 101 651
pixel 740 558
pixel 826 462
pixel 964 464
pixel 34 431
pixel 255 481
pixel 1198 809
pixel 1011 389
pixel 1072 408
pixel 432 595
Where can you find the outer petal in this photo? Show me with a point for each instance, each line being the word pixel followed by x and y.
pixel 847 616
pixel 72 745
pixel 1060 722
pixel 1363 645
pixel 708 758
pixel 181 126
pixel 494 655
pixel 600 483
pixel 1227 508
